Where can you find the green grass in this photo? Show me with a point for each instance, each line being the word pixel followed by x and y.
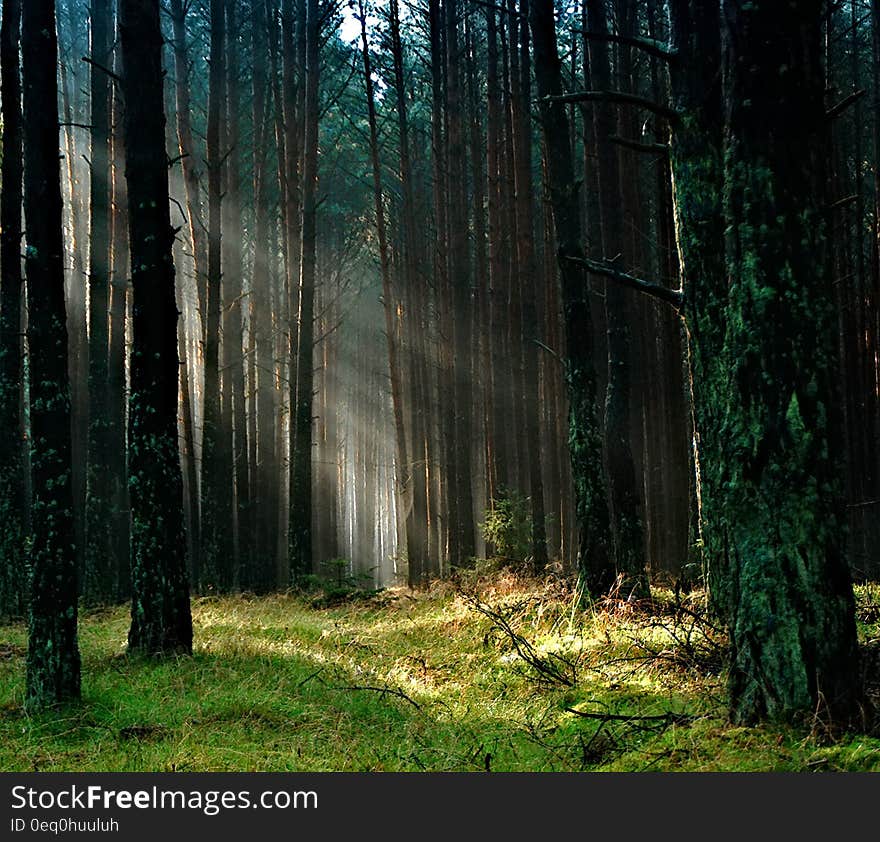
pixel 409 681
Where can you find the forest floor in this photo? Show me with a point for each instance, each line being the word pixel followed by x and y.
pixel 504 675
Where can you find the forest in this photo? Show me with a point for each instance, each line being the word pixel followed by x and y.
pixel 440 385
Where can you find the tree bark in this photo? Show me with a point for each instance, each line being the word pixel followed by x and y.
pixel 13 580
pixel 787 592
pixel 53 663
pixel 301 477
pixel 161 620
pixel 594 540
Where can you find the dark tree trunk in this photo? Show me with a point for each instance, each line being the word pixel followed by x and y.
pixel 786 593
pixel 233 340
pixel 161 620
pixel 529 282
pixel 53 664
pixel 261 360
pixel 13 584
pixel 417 517
pixel 403 478
pixel 461 289
pixel 594 540
pixel 117 363
pixel 624 503
pixel 696 164
pixel 216 533
pixel 100 562
pixel 301 477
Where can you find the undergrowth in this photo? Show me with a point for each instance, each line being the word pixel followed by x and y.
pixel 505 674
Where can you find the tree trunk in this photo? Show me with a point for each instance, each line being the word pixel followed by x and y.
pixel 301 477
pixel 529 283
pixel 100 563
pixel 13 579
pixel 161 620
pixel 786 591
pixel 53 664
pixel 216 488
pixel 594 540
pixel 624 503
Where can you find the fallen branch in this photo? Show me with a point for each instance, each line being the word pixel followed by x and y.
pixel 390 691
pixel 661 719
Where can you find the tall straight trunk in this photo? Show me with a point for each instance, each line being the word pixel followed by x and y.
pixel 293 145
pixel 403 479
pixel 195 227
pixel 417 518
pixel 53 664
pixel 160 614
pixel 120 525
pixel 301 477
pixel 13 577
pixel 591 512
pixel 874 324
pixel 216 487
pixel 786 589
pixel 448 499
pixel 625 510
pixel 75 278
pixel 479 324
pixel 697 174
pixel 461 287
pixel 529 282
pixel 101 563
pixel 261 358
pixel 187 146
pixel 512 315
pixel 233 340
pixel 494 131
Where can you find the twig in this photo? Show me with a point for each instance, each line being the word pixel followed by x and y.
pixel 391 691
pixel 668 718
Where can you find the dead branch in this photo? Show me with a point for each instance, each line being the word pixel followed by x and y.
pixel 673 297
pixel 651 46
pixel 618 97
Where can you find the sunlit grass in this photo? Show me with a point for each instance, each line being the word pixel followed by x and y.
pixel 410 681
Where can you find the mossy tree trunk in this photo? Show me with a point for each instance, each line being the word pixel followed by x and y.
pixel 786 591
pixel 13 572
pixel 53 664
pixel 697 174
pixel 160 613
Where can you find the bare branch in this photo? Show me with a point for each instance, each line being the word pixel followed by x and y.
pixel 115 77
pixel 651 46
pixel 650 148
pixel 846 102
pixel 619 97
pixel 673 297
